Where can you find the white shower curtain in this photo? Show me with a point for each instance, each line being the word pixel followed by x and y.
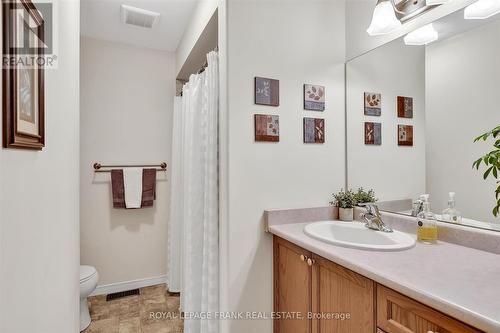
pixel 193 230
pixel 174 244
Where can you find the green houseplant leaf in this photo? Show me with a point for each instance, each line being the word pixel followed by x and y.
pixel 492 161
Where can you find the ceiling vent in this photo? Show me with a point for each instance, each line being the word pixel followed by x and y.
pixel 139 17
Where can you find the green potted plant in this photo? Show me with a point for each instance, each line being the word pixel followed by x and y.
pixel 363 196
pixel 492 162
pixel 345 201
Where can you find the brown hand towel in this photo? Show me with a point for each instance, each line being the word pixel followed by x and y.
pixel 148 187
pixel 118 188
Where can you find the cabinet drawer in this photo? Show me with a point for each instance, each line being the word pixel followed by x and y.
pixel 399 314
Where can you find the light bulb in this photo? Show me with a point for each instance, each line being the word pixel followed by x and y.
pixel 422 36
pixel 482 9
pixel 384 19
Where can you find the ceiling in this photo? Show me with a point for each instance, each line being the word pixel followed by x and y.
pixel 101 19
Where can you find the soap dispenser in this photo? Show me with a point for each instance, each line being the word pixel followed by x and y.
pixel 451 214
pixel 427 227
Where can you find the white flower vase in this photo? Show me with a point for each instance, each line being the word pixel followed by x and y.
pixel 346 214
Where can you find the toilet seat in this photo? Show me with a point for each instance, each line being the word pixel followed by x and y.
pixel 87 273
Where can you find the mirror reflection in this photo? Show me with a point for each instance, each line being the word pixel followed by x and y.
pixel 423 121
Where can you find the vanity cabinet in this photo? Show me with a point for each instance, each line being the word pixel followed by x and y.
pixel 308 284
pixel 292 286
pixel 339 292
pixel 399 314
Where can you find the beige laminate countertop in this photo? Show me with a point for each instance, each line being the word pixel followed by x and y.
pixel 461 282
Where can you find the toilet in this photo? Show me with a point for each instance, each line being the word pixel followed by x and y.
pixel 88 282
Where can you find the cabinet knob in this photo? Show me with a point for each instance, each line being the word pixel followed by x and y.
pixel 303 257
pixel 310 262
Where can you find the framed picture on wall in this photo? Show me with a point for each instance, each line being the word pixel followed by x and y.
pixel 23 106
pixel 267 91
pixel 373 133
pixel 405 107
pixel 314 130
pixel 373 104
pixel 267 128
pixel 405 135
pixel 314 97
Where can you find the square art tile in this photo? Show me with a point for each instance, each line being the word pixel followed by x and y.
pixel 405 107
pixel 267 128
pixel 373 104
pixel 405 135
pixel 314 97
pixel 267 91
pixel 373 133
pixel 314 130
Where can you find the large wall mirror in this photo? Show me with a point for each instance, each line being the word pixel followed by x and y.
pixel 413 113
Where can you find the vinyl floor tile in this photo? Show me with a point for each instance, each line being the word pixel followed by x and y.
pixel 135 314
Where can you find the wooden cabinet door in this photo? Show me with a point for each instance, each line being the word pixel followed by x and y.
pixel 292 286
pixel 399 314
pixel 337 290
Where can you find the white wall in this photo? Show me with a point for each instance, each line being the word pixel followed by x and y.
pixel 462 80
pixel 126 117
pixel 394 172
pixel 39 245
pixel 295 42
pixel 198 21
pixel 359 15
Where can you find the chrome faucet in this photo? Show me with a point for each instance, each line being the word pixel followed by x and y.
pixel 418 207
pixel 373 218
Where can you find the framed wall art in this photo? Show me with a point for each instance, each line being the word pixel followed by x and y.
pixel 405 107
pixel 314 97
pixel 267 128
pixel 267 91
pixel 373 104
pixel 23 106
pixel 405 135
pixel 373 133
pixel 314 130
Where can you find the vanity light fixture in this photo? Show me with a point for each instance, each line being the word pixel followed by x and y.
pixel 422 36
pixel 437 2
pixel 389 15
pixel 482 9
pixel 384 19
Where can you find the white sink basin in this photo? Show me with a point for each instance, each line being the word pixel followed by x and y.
pixel 356 235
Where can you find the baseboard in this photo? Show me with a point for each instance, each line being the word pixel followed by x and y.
pixel 128 285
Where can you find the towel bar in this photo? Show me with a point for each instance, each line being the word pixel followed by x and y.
pixel 98 166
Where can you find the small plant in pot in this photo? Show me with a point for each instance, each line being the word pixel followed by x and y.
pixel 345 201
pixel 364 197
